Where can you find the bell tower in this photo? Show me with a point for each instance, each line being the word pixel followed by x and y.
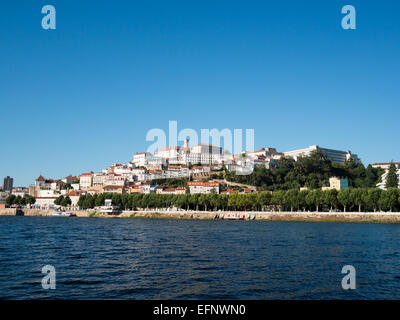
pixel 186 143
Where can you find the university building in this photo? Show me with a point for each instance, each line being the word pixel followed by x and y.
pixel 336 156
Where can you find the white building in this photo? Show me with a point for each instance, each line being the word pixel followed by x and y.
pixel 140 159
pixel 200 169
pixel 174 155
pixel 20 191
pixel 385 166
pixel 201 153
pixel 263 152
pixel 45 202
pixel 86 180
pixel 74 196
pixel 203 187
pixel 113 179
pixel 98 179
pixel 336 156
pixel 156 162
pixel 176 172
pixel 206 149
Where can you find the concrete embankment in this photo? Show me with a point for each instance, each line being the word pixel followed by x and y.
pixel 367 217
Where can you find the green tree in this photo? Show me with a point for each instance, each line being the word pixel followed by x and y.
pixel 302 196
pixel 18 200
pixel 291 198
pixel 371 198
pixel 30 200
pixel 314 198
pixel 180 200
pixel 10 200
pixel 392 180
pixel 194 201
pixel 66 201
pixel 371 177
pixel 344 198
pixel 100 200
pixel 203 201
pixel 278 199
pixel 233 201
pixel 264 199
pixel 389 199
pixel 81 201
pixel 253 201
pixel 330 198
pixel 222 201
pixel 357 196
pixel 59 201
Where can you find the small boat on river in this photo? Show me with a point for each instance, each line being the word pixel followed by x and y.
pixel 59 213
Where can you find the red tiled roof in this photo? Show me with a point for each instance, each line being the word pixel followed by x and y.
pixel 112 187
pixel 87 174
pixel 203 184
pixel 72 194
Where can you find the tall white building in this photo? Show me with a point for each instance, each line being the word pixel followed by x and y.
pixel 140 159
pixel 86 180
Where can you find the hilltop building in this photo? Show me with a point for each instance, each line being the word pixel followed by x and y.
pixel 385 165
pixel 336 156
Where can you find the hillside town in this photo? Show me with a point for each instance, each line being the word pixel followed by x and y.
pixel 195 170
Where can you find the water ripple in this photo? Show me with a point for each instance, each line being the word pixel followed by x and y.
pixel 174 259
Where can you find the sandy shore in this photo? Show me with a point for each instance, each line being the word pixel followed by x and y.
pixel 366 217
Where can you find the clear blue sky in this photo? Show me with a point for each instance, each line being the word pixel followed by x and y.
pixel 83 96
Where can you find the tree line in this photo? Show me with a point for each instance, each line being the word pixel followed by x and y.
pixel 63 201
pixel 20 201
pixel 358 199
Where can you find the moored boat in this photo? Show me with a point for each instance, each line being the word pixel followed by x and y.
pixel 59 213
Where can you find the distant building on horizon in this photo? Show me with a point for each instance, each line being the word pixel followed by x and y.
pixel 385 165
pixel 8 183
pixel 336 156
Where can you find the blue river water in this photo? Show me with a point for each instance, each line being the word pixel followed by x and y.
pixel 117 258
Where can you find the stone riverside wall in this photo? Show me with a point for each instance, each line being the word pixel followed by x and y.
pixel 368 217
pixel 197 215
pixel 37 212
